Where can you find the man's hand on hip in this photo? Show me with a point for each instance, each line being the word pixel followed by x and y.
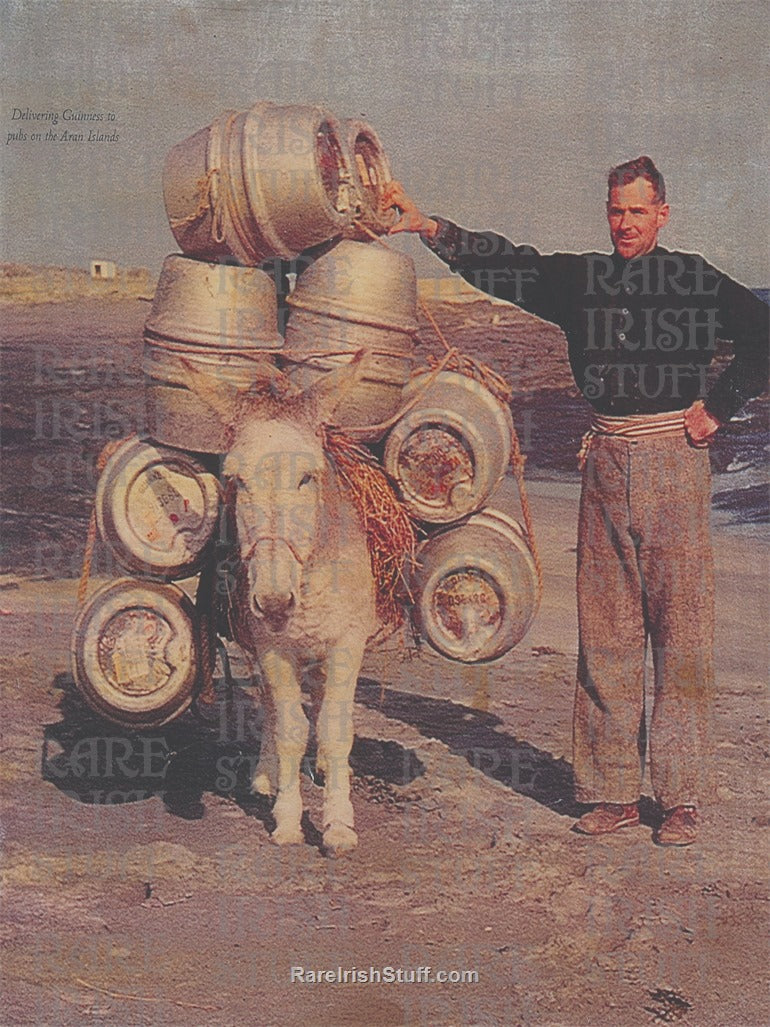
pixel 699 424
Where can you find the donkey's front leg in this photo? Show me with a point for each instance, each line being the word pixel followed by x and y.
pixel 335 740
pixel 291 731
pixel 265 779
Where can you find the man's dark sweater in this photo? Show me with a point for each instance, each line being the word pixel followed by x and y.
pixel 641 333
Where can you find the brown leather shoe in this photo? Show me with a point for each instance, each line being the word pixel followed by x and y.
pixel 679 827
pixel 607 817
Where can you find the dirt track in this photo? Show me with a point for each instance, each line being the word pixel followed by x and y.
pixel 141 887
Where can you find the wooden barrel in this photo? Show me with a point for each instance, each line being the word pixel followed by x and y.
pixel 210 322
pixel 157 510
pixel 267 182
pixel 450 450
pixel 356 295
pixel 475 588
pixel 136 652
pixel 371 173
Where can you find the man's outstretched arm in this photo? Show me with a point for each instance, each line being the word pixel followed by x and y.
pixel 487 261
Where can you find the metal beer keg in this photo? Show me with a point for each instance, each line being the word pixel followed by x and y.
pixel 451 449
pixel 475 588
pixel 211 324
pixel 157 509
pixel 267 182
pixel 221 306
pixel 371 173
pixel 356 295
pixel 136 653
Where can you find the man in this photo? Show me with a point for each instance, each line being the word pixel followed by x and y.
pixel 641 327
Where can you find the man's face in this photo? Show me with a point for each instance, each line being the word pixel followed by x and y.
pixel 635 218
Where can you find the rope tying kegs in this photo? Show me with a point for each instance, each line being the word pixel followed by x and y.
pixel 389 530
pixel 204 606
pixel 207 204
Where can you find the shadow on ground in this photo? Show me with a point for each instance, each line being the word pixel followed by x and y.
pixel 479 738
pixel 216 752
pixel 211 751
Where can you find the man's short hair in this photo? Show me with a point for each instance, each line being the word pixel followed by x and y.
pixel 642 167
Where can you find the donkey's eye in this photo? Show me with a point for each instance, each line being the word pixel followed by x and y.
pixel 305 480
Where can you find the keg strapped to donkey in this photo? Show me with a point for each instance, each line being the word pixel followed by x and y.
pixel 289 471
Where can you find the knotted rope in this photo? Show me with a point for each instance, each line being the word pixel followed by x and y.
pixel 207 204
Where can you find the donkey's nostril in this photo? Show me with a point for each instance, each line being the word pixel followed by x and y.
pixel 274 607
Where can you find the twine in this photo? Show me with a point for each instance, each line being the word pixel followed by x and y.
pixel 517 465
pixel 208 203
pixel 203 605
pixel 88 556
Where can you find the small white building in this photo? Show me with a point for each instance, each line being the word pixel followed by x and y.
pixel 103 270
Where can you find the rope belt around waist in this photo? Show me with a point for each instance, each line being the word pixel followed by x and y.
pixel 634 426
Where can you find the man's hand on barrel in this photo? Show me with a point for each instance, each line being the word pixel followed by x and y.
pixel 412 219
pixel 699 424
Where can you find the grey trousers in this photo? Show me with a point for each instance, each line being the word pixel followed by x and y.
pixel 645 576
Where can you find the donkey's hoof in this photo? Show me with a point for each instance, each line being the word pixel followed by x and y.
pixel 287 834
pixel 339 838
pixel 261 784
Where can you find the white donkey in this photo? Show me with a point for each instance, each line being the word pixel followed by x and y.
pixel 305 597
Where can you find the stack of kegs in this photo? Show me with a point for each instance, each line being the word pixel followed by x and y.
pixel 137 652
pixel 282 187
pixel 271 187
pixel 474 585
pixel 254 199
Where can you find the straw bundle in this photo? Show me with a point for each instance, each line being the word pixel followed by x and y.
pixel 389 532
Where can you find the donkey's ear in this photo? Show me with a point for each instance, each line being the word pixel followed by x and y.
pixel 327 392
pixel 220 396
pixel 223 397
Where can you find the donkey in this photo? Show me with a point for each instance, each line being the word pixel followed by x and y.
pixel 304 597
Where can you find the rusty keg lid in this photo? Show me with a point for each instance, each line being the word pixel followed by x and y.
pixel 475 588
pixel 157 509
pixel 451 448
pixel 434 463
pixel 135 652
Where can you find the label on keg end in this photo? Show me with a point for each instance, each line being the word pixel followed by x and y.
pixel 432 462
pixel 166 508
pixel 467 607
pixel 132 651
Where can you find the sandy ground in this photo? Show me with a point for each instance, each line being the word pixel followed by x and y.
pixel 140 884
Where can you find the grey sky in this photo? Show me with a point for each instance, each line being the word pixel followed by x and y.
pixel 499 114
